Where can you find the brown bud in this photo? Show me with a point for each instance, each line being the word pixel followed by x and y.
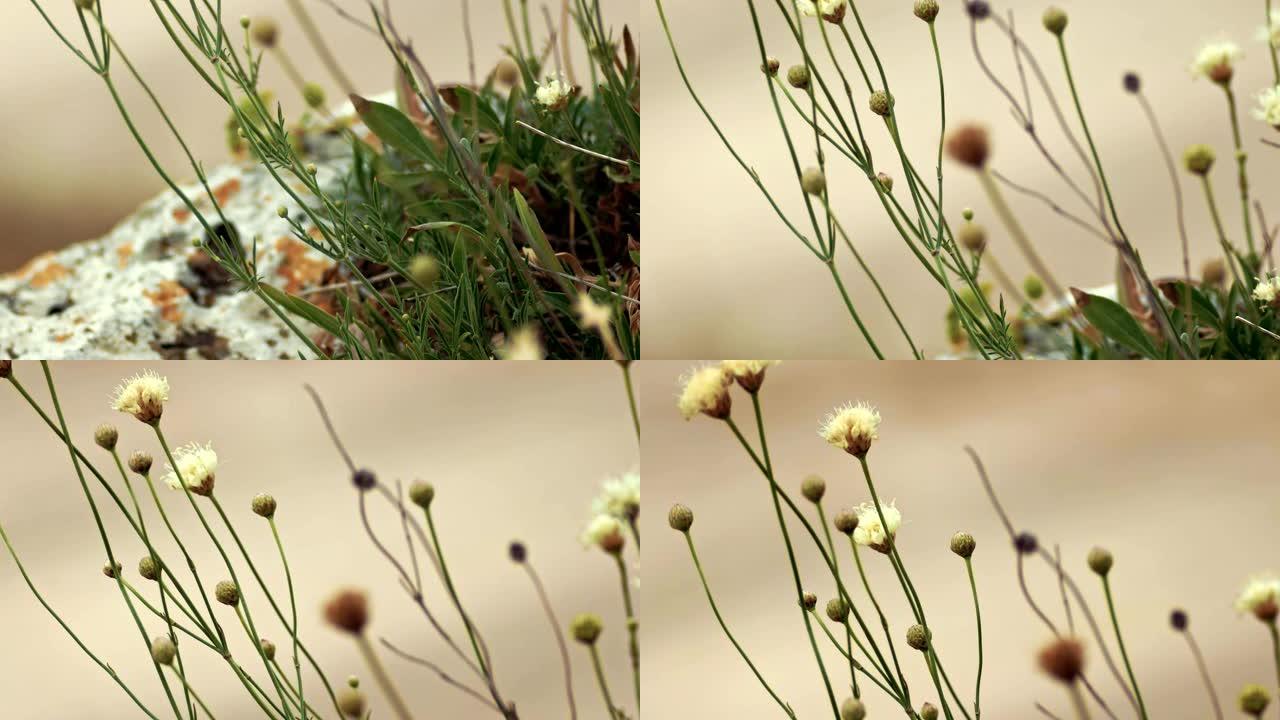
pixel 970 145
pixel 1063 659
pixel 348 610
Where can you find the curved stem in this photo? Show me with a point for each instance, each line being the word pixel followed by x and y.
pixel 977 611
pixel 379 672
pixel 1124 654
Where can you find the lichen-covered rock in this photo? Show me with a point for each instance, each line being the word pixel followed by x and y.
pixel 146 291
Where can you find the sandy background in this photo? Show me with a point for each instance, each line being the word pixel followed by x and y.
pixel 71 170
pixel 1169 468
pixel 732 281
pixel 515 453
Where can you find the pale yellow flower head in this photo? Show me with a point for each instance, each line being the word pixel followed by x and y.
pixel 1260 595
pixel 593 315
pixel 830 10
pixel 1217 61
pixel 873 533
pixel 553 93
pixel 601 528
pixel 706 391
pixel 619 497
pixel 1268 290
pixel 1268 110
pixel 852 428
pixel 1270 33
pixel 748 373
pixel 522 344
pixel 142 396
pixel 195 465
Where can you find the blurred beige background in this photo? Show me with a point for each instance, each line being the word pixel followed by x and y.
pixel 732 281
pixel 516 452
pixel 71 169
pixel 1169 468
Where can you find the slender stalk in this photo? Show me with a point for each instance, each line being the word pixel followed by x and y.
pixel 1275 647
pixel 322 48
pixel 1271 41
pixel 1077 701
pixel 1204 673
pixel 1124 654
pixel 604 685
pixel 186 686
pixel 977 611
pixel 1242 162
pixel 633 625
pixel 631 397
pixel 293 607
pixel 555 631
pixel 379 672
pixel 1019 234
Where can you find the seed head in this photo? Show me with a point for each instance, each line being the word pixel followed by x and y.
pixel 809 600
pixel 148 568
pixel 421 493
pixel 837 609
pixel 680 518
pixel 163 650
pixel 928 712
pixel 111 570
pixel 852 709
pixel 1100 561
pixel 1033 286
pixel 586 628
pixel 517 552
pixel 264 505
pixel 970 145
pixel 140 462
pixel 507 72
pixel 1055 20
pixel 1254 700
pixel 813 488
pixel 1199 159
pixel 813 181
pixel 978 9
pixel 352 702
pixel 885 181
pixel 265 32
pixel 268 649
pixel 1063 659
pixel 846 521
pixel 6 369
pixel 227 593
pixel 348 610
pixel 425 271
pixel 963 544
pixel 918 637
pixel 1178 620
pixel 554 94
pixel 973 236
pixel 1132 83
pixel 881 103
pixel 798 77
pixel 106 436
pixel 770 66
pixel 927 10
pixel 195 466
pixel 748 373
pixel 872 532
pixel 313 95
pixel 364 479
pixel 1026 543
pixel 1213 272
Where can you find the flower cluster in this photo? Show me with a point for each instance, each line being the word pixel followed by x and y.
pixel 195 466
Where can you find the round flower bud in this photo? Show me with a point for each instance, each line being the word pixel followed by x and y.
pixel 282 212
pixel 268 649
pixel 1179 620
pixel 348 610
pixel 265 32
pixel 970 145
pixel 1132 83
pixel 353 681
pixel 928 712
pixel 846 521
pixel 6 369
pixel 613 543
pixel 809 600
pixel 1254 700
pixel 1062 659
pixel 1100 561
pixel 352 702
pixel 227 593
pixel 140 462
pixel 837 609
pixel 963 544
pixel 813 181
pixel 927 10
pixel 424 270
pixel 973 237
pixel 148 568
pixel 313 95
pixel 1213 272
pixel 798 77
pixel 364 479
pixel 507 72
pixel 967 214
pixel 517 552
pixel 85 5
pixel 1199 159
pixel 1055 21
pixel 813 488
pixel 421 493
pixel 1026 543
pixel 885 181
pixel 918 637
pixel 680 518
pixel 106 436
pixel 163 650
pixel 111 570
pixel 1033 286
pixel 264 505
pixel 978 9
pixel 586 628
pixel 852 709
pixel 770 66
pixel 881 103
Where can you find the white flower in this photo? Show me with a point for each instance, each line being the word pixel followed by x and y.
pixel 1267 291
pixel 852 428
pixel 554 93
pixel 593 315
pixel 706 390
pixel 871 532
pixel 1268 110
pixel 196 466
pixel 831 10
pixel 523 344
pixel 142 396
pixel 1270 33
pixel 619 498
pixel 748 373
pixel 600 528
pixel 1215 59
pixel 1260 590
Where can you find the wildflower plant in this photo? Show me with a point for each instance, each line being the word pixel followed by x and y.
pixel 183 608
pixel 875 659
pixel 471 220
pixel 837 97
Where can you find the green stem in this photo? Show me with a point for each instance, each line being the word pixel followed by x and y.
pixel 1077 701
pixel 633 625
pixel 631 397
pixel 848 303
pixel 604 685
pixel 379 672
pixel 1271 43
pixel 293 607
pixel 977 611
pixel 1242 162
pixel 1275 648
pixel 1124 654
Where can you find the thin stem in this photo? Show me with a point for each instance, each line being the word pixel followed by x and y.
pixel 1019 234
pixel 555 631
pixel 604 685
pixel 1275 647
pixel 379 672
pixel 977 611
pixel 631 397
pixel 1242 162
pixel 322 48
pixel 1204 672
pixel 293 607
pixel 1124 654
pixel 1077 701
pixel 633 625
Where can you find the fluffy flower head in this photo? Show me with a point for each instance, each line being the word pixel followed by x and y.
pixel 1217 61
pixel 873 533
pixel 196 466
pixel 1268 110
pixel 830 10
pixel 1268 290
pixel 142 396
pixel 523 345
pixel 852 428
pixel 1258 593
pixel 706 390
pixel 600 529
pixel 748 373
pixel 619 498
pixel 1270 34
pixel 553 93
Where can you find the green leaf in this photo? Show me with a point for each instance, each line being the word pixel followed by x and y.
pixel 1205 312
pixel 538 239
pixel 1115 322
pixel 395 129
pixel 303 309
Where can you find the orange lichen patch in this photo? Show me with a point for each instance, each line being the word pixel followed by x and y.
pixel 62 338
pixel 167 296
pixel 296 267
pixel 226 191
pixel 181 214
pixel 51 272
pixel 124 252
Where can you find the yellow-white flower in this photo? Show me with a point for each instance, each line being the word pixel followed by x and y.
pixel 1260 590
pixel 1217 61
pixel 706 391
pixel 852 428
pixel 619 497
pixel 1267 291
pixel 600 528
pixel 748 373
pixel 1270 34
pixel 873 533
pixel 142 396
pixel 195 465
pixel 523 344
pixel 831 10
pixel 553 93
pixel 1268 110
pixel 593 315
